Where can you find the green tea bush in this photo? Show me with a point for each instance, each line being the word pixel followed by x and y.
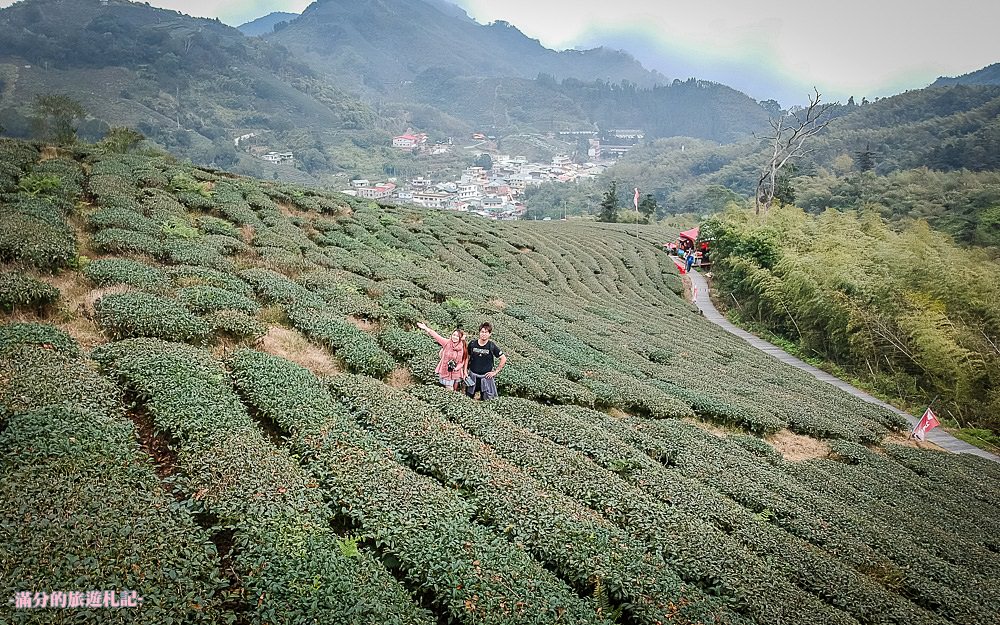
pixel 67 171
pixel 86 466
pixel 346 298
pixel 236 325
pixel 405 345
pixel 19 154
pixel 275 288
pixel 527 379
pixel 107 272
pixel 213 225
pixel 16 335
pixel 286 237
pixel 161 206
pixel 178 228
pixel 111 189
pixel 40 208
pixel 21 292
pixel 757 447
pixel 10 175
pixel 150 178
pixel 359 350
pixel 206 299
pixel 68 445
pixel 119 217
pixel 35 232
pixel 238 212
pixel 195 201
pixel 695 543
pixel 481 579
pixel 226 245
pixel 283 261
pixel 617 390
pixel 123 315
pixel 182 181
pixel 186 252
pixel 39 374
pixel 121 241
pixel 291 565
pixel 572 541
pixel 186 275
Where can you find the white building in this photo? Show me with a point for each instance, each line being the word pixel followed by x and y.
pixel 278 157
pixel 468 192
pixel 377 192
pixel 430 199
pixel 409 141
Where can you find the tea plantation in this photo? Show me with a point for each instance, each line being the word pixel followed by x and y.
pixel 213 393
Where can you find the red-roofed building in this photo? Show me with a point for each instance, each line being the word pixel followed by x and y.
pixel 377 192
pixel 409 140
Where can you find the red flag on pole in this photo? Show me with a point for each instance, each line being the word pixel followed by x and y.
pixel 927 423
pixel 635 200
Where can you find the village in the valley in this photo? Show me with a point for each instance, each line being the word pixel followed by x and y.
pixel 496 192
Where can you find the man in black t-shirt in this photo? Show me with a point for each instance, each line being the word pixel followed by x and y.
pixel 482 355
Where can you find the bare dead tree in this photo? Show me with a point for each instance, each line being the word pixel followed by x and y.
pixel 787 143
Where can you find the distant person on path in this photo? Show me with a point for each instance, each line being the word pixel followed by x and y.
pixel 482 355
pixel 453 359
pixel 689 262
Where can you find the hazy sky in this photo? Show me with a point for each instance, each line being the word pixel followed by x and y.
pixel 768 48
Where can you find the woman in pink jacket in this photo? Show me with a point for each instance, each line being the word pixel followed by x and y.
pixel 453 363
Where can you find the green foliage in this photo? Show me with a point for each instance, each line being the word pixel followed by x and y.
pixel 178 228
pixel 213 225
pixel 275 288
pixel 119 217
pixel 186 275
pixel 39 184
pixel 359 350
pixel 56 116
pixel 205 299
pixel 123 315
pixel 35 232
pixel 609 204
pixel 122 241
pixel 183 182
pixel 283 547
pixel 21 292
pixel 848 288
pixel 114 271
pixel 236 325
pixel 15 335
pixel 648 207
pixel 487 574
pixel 68 444
pixel 121 140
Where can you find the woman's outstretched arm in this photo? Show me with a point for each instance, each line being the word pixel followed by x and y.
pixel 431 333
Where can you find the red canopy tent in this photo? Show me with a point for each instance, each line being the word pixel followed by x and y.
pixel 690 235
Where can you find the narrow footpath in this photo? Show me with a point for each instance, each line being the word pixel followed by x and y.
pixel 701 299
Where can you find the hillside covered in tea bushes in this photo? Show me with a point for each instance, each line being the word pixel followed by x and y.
pixel 213 393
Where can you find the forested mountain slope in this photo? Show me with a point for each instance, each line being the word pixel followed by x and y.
pixel 384 43
pixel 192 85
pixel 214 390
pixel 405 56
pixel 929 154
pixel 265 24
pixel 989 75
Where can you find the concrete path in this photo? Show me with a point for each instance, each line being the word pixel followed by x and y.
pixel 699 291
